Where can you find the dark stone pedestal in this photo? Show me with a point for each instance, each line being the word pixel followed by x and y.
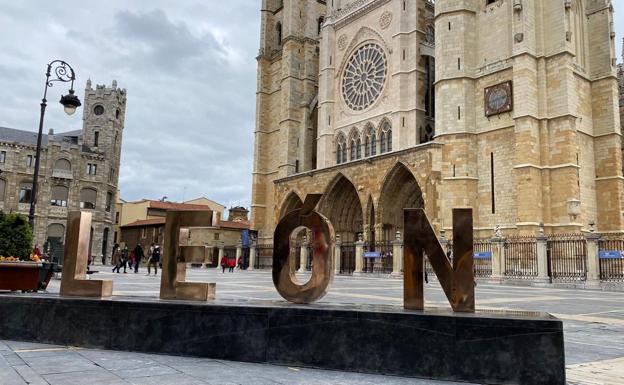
pixel 487 347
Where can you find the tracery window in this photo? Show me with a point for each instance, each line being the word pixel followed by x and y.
pixel 341 150
pixel 359 148
pixel 364 77
pixel 386 137
pixel 353 149
pixel 370 142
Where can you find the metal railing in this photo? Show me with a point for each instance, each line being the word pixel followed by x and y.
pixel 264 257
pixel 521 257
pixel 611 253
pixel 567 257
pixel 347 258
pixel 482 248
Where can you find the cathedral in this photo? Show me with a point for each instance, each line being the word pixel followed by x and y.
pixel 509 107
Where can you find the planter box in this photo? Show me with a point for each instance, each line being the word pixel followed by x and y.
pixel 25 276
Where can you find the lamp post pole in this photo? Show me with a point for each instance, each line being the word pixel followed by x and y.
pixel 57 71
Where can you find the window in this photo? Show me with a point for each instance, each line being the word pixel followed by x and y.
pixel 91 169
pixel 59 196
pixel 364 77
pixel 370 142
pixel 216 236
pixel 386 137
pixel 25 192
pixel 117 218
pixel 109 202
pixel 2 156
pixel 2 189
pixel 96 139
pixel 88 197
pixel 29 160
pixel 117 113
pixel 98 110
pixel 62 165
pixel 278 29
pixel 383 142
pixel 321 20
pixel 353 149
pixel 359 148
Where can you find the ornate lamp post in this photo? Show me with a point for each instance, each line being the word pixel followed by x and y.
pixel 58 71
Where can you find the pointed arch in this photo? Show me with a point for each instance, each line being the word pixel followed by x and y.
pixel 370 141
pixel 370 221
pixel 292 202
pixel 341 204
pixel 385 136
pixel 341 149
pixel 399 190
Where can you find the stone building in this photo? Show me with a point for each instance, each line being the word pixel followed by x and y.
pixel 79 171
pixel 621 86
pixel 506 106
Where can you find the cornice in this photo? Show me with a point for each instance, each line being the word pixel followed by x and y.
pixel 352 11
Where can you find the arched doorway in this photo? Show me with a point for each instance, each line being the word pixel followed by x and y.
pixel 400 191
pixel 341 204
pixel 292 202
pixel 55 243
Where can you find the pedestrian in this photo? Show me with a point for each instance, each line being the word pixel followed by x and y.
pixel 224 262
pixel 154 260
pixel 123 261
pixel 138 257
pixel 36 251
pixel 240 263
pixel 232 264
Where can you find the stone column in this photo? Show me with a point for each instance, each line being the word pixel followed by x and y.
pixel 542 258
pixel 252 256
pixel 593 259
pixel 397 256
pixel 337 254
pixel 239 250
pixel 303 253
pixel 359 256
pixel 221 253
pixel 498 259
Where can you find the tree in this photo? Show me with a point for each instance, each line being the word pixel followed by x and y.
pixel 15 236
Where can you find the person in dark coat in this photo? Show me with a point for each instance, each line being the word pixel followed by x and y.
pixel 138 257
pixel 224 262
pixel 123 261
pixel 154 260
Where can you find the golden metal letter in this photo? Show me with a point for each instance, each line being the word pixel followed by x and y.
pixel 175 257
pixel 456 280
pixel 73 281
pixel 323 239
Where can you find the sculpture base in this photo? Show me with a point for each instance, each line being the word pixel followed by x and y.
pixel 486 347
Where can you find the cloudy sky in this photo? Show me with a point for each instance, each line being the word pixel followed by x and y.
pixel 190 71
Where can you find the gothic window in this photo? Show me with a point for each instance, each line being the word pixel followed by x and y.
pixel 96 139
pixel 370 142
pixel 25 192
pixel 2 189
pixel 364 77
pixel 430 34
pixel 321 20
pixel 430 84
pixel 341 150
pixel 344 153
pixel 339 153
pixel 359 148
pixel 353 149
pixel 386 137
pixel 367 146
pixel 578 33
pixel 59 196
pixel 88 198
pixel 382 142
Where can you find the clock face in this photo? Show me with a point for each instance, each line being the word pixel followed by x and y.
pixel 498 99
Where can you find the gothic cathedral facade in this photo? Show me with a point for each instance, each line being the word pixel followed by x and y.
pixel 509 107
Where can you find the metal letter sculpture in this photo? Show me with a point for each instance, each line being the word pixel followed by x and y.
pixel 73 281
pixel 323 240
pixel 175 257
pixel 457 279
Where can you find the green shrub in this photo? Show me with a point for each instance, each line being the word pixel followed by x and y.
pixel 15 236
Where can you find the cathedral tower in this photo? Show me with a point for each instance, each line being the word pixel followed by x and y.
pixel 285 137
pixel 526 107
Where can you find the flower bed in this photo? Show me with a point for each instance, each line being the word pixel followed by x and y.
pixel 24 276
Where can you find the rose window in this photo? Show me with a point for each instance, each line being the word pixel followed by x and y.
pixel 364 77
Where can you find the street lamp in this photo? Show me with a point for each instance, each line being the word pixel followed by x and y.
pixel 58 71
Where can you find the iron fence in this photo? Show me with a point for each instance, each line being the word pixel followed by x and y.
pixel 264 257
pixel 521 257
pixel 567 257
pixel 482 249
pixel 347 258
pixel 383 264
pixel 611 249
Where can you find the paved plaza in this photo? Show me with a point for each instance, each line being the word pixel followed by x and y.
pixel 593 323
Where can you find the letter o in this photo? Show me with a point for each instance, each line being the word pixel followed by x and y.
pixel 323 240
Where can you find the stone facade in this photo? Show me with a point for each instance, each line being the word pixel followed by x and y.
pixel 508 107
pixel 79 171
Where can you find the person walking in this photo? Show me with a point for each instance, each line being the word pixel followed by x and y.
pixel 240 263
pixel 138 257
pixel 232 264
pixel 154 260
pixel 123 261
pixel 224 262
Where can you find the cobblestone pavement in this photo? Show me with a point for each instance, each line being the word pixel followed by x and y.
pixel 593 323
